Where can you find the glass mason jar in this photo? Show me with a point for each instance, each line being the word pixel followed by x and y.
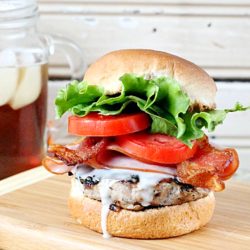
pixel 24 55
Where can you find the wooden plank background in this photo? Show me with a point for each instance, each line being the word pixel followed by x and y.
pixel 213 34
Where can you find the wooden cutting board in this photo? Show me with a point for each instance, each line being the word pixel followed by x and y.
pixel 36 217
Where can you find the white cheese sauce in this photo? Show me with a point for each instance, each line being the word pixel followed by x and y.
pixel 106 202
pixel 108 177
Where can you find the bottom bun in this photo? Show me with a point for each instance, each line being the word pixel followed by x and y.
pixel 164 222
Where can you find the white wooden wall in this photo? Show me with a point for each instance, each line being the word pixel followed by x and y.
pixel 213 34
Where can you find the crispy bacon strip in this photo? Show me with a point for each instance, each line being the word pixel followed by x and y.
pixel 64 158
pixel 209 167
pixel 70 157
pixel 90 147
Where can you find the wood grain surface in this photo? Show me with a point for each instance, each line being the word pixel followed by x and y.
pixel 23 179
pixel 36 217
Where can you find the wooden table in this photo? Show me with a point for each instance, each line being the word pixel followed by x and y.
pixel 34 215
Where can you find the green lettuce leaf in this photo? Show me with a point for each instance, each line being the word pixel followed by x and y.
pixel 161 98
pixel 76 93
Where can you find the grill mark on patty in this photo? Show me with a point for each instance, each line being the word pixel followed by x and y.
pixel 125 194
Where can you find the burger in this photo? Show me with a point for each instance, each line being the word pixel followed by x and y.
pixel 142 166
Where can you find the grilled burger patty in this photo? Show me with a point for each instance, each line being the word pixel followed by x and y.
pixel 128 194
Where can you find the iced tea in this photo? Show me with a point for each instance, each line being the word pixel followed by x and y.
pixel 23 108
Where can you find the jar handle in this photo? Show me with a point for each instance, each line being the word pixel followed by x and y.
pixel 72 52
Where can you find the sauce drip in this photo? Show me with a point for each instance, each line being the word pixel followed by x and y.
pixel 108 177
pixel 106 202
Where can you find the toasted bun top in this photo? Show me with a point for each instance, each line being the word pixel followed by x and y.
pixel 194 81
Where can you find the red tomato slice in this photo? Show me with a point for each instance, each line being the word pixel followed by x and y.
pixel 156 148
pixel 111 125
